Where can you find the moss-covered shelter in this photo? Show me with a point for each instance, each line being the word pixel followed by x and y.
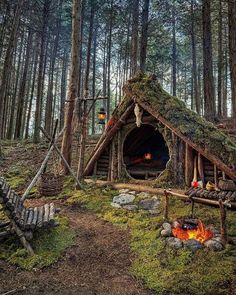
pixel 170 143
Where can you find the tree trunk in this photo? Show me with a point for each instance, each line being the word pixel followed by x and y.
pixel 232 50
pixel 210 109
pixel 21 95
pixel 194 62
pixel 220 60
pixel 63 86
pixel 134 39
pixel 8 60
pixel 174 50
pixel 144 36
pixel 83 135
pixel 73 84
pixel 38 110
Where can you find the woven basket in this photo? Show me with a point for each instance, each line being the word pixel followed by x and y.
pixel 50 184
pixel 227 185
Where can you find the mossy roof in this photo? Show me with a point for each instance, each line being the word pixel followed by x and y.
pixel 198 130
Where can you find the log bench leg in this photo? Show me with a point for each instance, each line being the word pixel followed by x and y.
pixel 22 238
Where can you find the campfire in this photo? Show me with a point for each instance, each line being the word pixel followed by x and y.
pixel 192 230
pixel 191 233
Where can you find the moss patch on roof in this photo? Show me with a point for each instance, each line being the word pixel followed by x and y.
pixel 201 132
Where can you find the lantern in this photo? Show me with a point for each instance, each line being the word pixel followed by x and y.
pixel 101 116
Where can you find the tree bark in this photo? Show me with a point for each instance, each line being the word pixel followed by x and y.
pixel 21 95
pixel 194 62
pixel 144 36
pixel 134 38
pixel 220 60
pixel 73 84
pixel 232 50
pixel 8 60
pixel 210 109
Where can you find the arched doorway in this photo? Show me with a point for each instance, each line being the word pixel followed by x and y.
pixel 145 152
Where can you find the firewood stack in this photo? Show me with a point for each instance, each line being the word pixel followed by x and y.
pixel 214 195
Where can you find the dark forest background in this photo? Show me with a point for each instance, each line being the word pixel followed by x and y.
pixel 189 45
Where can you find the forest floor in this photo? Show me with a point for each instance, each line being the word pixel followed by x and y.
pixel 103 250
pixel 97 263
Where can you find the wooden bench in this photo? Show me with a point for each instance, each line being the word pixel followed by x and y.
pixel 23 221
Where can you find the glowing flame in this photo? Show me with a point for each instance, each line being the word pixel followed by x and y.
pixel 200 233
pixel 148 156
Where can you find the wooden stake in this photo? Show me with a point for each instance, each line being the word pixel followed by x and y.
pixel 166 209
pixel 223 226
pixel 22 238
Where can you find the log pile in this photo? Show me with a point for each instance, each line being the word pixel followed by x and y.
pixel 214 195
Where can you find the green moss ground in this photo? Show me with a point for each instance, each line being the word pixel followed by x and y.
pixel 162 269
pixel 48 246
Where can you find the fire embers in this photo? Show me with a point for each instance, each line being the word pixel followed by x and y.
pixel 191 234
pixel 148 156
pixel 192 230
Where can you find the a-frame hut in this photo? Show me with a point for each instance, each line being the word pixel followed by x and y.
pixel 153 135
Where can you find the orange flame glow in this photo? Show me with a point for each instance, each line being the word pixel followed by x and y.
pixel 148 156
pixel 201 233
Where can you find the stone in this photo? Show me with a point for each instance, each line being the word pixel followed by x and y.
pixel 132 192
pixel 176 224
pixel 131 207
pixel 124 191
pixel 166 233
pixel 174 243
pixel 143 195
pixel 193 244
pixel 149 204
pixel 166 226
pixel 123 199
pixel 214 245
pixel 115 205
pixel 213 229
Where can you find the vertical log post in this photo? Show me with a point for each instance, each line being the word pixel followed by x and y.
pixel 188 165
pixel 192 208
pixel 215 176
pixel 223 226
pixel 166 208
pixel 200 168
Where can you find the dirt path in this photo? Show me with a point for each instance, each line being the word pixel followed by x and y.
pixel 98 264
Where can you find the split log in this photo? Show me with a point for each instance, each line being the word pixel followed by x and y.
pixel 46 215
pixel 51 214
pixel 35 219
pixel 199 200
pixel 30 218
pixel 40 216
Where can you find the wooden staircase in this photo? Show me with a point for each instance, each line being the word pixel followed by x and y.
pixel 102 166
